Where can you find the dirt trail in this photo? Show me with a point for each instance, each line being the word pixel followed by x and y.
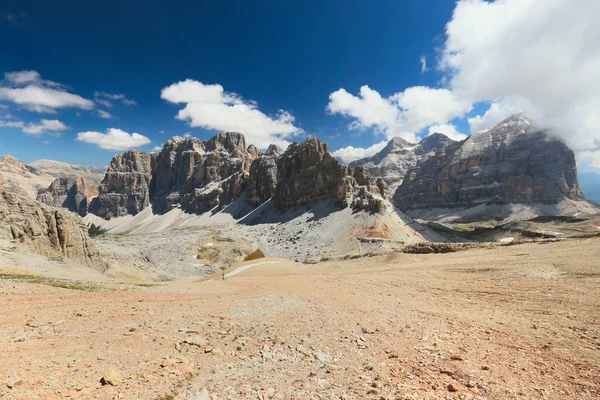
pixel 517 322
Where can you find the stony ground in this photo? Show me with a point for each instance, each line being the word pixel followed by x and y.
pixel 517 322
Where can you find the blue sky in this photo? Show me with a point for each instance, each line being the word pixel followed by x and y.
pixel 349 72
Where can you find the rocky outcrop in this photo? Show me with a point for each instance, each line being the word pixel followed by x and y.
pixel 200 175
pixel 263 177
pixel 511 163
pixel 398 157
pixel 47 230
pixel 72 193
pixel 125 187
pixel 307 173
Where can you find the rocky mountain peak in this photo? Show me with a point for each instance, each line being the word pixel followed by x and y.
pixel 432 143
pixel 8 162
pixel 273 150
pixel 125 187
pixel 513 162
pixel 394 161
pixel 232 142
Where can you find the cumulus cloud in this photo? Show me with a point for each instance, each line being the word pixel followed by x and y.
pixel 52 126
pixel 29 90
pixel 543 56
pixel 449 130
pixel 104 99
pixel 351 153
pixel 210 107
pixel 114 139
pixel 403 114
pixel 157 148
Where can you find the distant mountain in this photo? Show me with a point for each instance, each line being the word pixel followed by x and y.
pixel 21 178
pixel 513 170
pixel 399 156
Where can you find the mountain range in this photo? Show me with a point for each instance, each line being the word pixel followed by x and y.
pixel 513 171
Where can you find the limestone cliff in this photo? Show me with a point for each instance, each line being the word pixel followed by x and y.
pixel 513 162
pixel 125 187
pixel 71 192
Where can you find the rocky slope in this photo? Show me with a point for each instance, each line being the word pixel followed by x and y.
pixel 70 192
pixel 200 175
pixel 511 163
pixel 21 178
pixel 46 230
pixel 125 187
pixel 394 161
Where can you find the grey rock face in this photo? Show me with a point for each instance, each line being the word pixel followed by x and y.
pixel 72 193
pixel 47 230
pixel 307 173
pixel 200 175
pixel 125 187
pixel 394 161
pixel 263 177
pixel 511 163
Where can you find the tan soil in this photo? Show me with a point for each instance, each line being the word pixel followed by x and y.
pixel 516 322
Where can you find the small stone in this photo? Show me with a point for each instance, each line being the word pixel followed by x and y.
pixel 485 368
pixel 456 357
pixel 13 383
pixel 112 376
pixel 322 357
pixel 217 351
pixel 452 388
pixel 196 341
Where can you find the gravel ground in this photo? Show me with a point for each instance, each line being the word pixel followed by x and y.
pixel 517 322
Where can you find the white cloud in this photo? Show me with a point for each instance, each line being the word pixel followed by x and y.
pixel 497 112
pixel 187 135
pixel 540 53
pixel 114 139
pixel 51 126
pixel 351 153
pixel 44 126
pixel 27 89
pixel 103 99
pixel 22 77
pixel 12 124
pixel 449 130
pixel 210 107
pixel 104 114
pixel 403 114
pixel 424 64
pixel 104 103
pixel 157 148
